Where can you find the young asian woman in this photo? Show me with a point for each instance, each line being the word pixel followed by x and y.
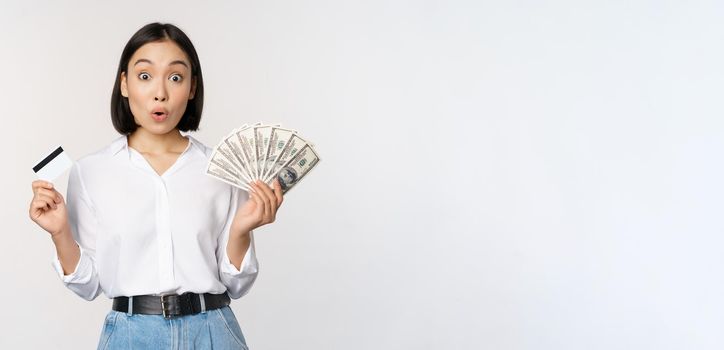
pixel 142 222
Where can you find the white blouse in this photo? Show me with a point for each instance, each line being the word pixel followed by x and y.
pixel 141 233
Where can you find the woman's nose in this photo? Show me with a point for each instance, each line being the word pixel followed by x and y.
pixel 160 94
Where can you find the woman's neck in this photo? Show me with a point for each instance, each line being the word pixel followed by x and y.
pixel 145 142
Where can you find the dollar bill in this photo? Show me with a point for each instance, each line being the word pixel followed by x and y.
pixel 262 135
pixel 218 172
pixel 226 151
pixel 245 139
pixel 291 147
pixel 233 142
pixel 262 152
pixel 277 141
pixel 296 168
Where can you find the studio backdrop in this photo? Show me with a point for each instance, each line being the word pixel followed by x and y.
pixel 494 175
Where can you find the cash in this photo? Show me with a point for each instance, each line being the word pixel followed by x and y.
pixel 262 152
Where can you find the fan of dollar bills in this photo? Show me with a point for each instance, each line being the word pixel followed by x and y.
pixel 262 152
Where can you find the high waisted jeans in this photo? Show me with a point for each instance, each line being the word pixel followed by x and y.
pixel 214 329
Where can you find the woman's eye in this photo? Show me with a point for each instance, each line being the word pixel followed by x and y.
pixel 176 78
pixel 144 76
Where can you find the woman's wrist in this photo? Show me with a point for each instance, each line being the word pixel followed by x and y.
pixel 64 242
pixel 239 242
pixel 240 232
pixel 67 250
pixel 62 235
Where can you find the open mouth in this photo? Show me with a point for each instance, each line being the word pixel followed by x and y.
pixel 158 116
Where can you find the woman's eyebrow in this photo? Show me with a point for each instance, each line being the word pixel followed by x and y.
pixel 170 64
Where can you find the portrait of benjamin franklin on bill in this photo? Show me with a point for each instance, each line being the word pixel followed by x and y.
pixel 287 177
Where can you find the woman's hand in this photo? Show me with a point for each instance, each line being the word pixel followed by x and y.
pixel 260 209
pixel 47 208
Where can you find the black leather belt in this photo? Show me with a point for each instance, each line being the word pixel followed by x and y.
pixel 172 304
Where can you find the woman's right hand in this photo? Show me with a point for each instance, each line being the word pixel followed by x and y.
pixel 48 209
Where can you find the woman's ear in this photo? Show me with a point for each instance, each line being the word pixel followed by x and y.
pixel 124 87
pixel 193 89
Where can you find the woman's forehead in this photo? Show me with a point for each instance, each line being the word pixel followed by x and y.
pixel 163 53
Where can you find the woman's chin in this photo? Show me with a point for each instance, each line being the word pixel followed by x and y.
pixel 158 129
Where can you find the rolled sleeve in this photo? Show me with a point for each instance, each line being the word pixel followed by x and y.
pixel 238 282
pixel 83 271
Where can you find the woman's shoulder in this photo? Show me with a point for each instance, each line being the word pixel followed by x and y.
pixel 206 150
pixel 104 152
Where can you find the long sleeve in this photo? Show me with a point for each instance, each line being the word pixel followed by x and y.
pixel 237 281
pixel 84 280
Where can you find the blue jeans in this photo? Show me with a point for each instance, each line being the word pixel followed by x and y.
pixel 214 329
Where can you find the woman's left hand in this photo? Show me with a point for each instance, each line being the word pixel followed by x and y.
pixel 260 209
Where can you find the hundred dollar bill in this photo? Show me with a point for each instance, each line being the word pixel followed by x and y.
pixel 262 134
pixel 277 142
pixel 236 150
pixel 230 151
pixel 291 148
pixel 262 152
pixel 246 142
pixel 220 174
pixel 296 168
pixel 224 151
pixel 223 162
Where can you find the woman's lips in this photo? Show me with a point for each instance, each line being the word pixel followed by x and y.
pixel 159 113
pixel 159 117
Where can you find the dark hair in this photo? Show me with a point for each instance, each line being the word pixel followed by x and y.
pixel 153 32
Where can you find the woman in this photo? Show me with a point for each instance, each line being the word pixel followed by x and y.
pixel 143 224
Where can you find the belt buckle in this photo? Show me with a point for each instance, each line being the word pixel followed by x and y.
pixel 165 311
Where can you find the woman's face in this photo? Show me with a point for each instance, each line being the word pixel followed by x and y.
pixel 158 85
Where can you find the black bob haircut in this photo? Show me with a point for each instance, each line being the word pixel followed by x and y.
pixel 154 32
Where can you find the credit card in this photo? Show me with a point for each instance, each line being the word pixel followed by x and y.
pixel 53 165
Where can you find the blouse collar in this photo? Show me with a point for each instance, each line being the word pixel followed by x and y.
pixel 121 143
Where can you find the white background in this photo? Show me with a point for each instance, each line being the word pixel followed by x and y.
pixel 494 175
